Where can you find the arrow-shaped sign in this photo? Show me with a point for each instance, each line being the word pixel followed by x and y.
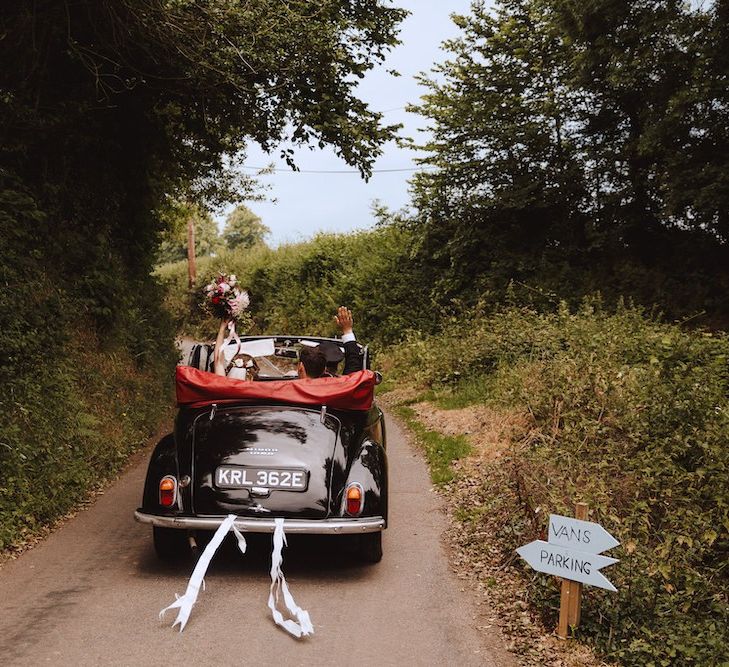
pixel 581 535
pixel 567 563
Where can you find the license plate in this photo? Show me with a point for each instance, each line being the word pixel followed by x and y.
pixel 243 477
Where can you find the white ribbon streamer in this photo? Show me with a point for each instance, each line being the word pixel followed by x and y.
pixel 302 626
pixel 185 603
pixel 232 335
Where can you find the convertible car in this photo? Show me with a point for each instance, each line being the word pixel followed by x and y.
pixel 309 451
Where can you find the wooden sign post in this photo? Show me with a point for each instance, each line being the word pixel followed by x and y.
pixel 570 602
pixel 191 263
pixel 572 553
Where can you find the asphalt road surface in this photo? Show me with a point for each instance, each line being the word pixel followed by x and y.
pixel 90 593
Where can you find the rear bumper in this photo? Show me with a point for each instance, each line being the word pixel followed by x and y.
pixel 252 525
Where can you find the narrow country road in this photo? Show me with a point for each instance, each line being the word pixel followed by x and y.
pixel 91 592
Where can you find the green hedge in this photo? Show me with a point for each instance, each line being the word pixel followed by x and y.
pixel 86 368
pixel 631 416
pixel 296 288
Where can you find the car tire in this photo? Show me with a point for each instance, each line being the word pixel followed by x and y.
pixel 369 548
pixel 170 544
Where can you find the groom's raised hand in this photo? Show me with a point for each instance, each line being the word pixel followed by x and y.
pixel 344 319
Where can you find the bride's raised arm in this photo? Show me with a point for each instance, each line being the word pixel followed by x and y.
pixel 218 356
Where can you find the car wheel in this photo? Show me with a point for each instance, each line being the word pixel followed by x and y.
pixel 370 547
pixel 170 544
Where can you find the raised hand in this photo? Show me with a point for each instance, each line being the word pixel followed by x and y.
pixel 344 319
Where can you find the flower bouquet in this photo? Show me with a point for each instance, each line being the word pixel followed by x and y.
pixel 223 299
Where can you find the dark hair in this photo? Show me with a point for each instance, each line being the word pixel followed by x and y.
pixel 333 355
pixel 314 361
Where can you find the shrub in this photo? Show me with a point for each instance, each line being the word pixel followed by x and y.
pixel 296 288
pixel 631 416
pixel 86 373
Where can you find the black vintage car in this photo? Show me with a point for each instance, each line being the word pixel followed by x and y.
pixel 309 451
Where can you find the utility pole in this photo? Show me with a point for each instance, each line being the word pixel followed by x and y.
pixel 191 266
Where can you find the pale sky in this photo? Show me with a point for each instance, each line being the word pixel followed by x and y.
pixel 307 203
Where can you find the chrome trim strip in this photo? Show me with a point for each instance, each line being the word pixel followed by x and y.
pixel 253 525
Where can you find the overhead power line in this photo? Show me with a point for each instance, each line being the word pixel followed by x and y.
pixel 334 171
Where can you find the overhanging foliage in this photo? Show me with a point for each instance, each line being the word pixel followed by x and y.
pixel 580 146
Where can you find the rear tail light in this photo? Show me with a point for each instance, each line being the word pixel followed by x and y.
pixel 354 499
pixel 167 491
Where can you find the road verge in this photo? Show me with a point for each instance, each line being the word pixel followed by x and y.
pixel 468 454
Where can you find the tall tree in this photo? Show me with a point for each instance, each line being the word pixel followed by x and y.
pixel 508 184
pixel 580 142
pixel 243 228
pixel 634 64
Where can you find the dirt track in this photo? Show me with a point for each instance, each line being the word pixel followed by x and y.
pixel 91 592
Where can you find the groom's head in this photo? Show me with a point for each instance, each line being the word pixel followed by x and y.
pixel 312 362
pixel 333 355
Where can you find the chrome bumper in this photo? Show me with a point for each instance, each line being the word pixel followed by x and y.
pixel 252 525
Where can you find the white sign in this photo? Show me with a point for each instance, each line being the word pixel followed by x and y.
pixel 581 535
pixel 567 563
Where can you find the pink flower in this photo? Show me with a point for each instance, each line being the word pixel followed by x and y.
pixel 238 303
pixel 243 300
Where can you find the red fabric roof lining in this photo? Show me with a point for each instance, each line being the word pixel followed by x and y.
pixel 355 391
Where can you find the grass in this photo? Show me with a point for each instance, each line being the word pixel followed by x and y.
pixel 473 391
pixel 440 450
pixel 387 385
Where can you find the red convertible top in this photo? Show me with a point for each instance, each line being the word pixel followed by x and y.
pixel 197 388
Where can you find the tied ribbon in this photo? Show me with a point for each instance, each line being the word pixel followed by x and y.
pixel 185 603
pixel 232 335
pixel 302 626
